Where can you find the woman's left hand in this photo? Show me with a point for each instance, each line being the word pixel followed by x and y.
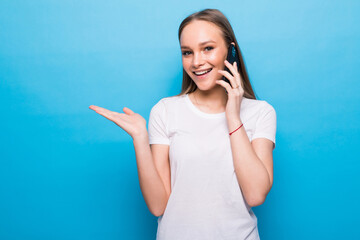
pixel 235 91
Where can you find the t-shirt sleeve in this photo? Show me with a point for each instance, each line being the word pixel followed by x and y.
pixel 158 133
pixel 266 124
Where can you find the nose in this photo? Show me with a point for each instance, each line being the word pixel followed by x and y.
pixel 198 60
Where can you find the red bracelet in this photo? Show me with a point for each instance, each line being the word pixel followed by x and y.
pixel 236 129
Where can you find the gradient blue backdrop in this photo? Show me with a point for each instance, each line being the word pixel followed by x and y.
pixel 68 173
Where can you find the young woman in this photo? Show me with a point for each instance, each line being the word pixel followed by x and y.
pixel 207 158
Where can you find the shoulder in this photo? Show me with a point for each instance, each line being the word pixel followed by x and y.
pixel 171 101
pixel 257 105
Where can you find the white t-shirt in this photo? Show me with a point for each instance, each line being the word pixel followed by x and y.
pixel 206 201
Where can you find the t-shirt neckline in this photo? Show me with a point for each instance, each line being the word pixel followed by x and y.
pixel 201 113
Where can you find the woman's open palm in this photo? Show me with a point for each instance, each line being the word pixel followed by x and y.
pixel 133 123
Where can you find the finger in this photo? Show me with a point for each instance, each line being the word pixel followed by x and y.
pixel 229 77
pixel 103 111
pixel 224 84
pixel 119 119
pixel 128 111
pixel 234 71
pixel 106 115
pixel 92 107
pixel 100 109
pixel 110 114
pixel 240 81
pixel 240 78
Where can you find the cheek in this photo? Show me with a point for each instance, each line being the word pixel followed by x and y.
pixel 217 58
pixel 185 64
pixel 186 67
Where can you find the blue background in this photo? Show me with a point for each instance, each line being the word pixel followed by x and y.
pixel 68 173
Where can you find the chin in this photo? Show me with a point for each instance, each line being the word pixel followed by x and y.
pixel 206 86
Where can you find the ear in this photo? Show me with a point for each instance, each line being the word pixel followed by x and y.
pixel 233 43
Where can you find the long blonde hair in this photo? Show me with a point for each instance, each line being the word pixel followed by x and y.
pixel 219 19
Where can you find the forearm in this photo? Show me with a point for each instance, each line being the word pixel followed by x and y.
pixel 251 173
pixel 151 185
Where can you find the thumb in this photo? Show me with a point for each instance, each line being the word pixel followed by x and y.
pixel 128 111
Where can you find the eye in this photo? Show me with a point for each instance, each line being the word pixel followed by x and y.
pixel 186 53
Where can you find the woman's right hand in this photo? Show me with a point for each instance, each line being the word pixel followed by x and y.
pixel 133 123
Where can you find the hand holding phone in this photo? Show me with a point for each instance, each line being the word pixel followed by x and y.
pixel 231 58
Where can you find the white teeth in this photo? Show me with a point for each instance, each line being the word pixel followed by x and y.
pixel 200 73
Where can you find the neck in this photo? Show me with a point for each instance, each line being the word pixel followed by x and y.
pixel 214 99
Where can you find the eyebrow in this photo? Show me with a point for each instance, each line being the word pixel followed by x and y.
pixel 203 43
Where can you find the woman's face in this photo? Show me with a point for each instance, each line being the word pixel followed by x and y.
pixel 203 49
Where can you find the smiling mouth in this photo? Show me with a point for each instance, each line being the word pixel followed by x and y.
pixel 201 73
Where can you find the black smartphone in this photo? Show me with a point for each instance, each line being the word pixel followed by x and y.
pixel 231 58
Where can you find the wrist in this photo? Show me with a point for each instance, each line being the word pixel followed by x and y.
pixel 233 124
pixel 236 129
pixel 141 137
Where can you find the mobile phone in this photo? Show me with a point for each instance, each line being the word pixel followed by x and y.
pixel 231 58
